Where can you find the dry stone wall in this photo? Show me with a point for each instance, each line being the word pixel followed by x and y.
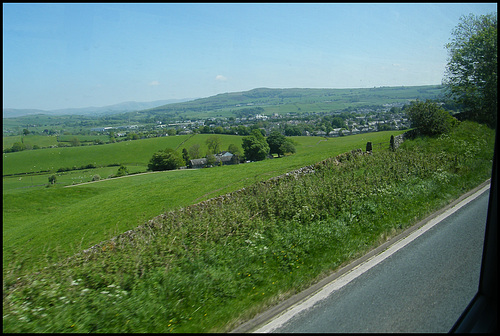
pixel 133 234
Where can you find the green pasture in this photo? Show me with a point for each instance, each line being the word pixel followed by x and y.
pixel 66 220
pixel 30 140
pixel 83 138
pixel 127 152
pixel 132 152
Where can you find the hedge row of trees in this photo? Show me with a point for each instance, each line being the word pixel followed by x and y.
pixel 256 147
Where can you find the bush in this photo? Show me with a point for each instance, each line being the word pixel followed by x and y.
pixel 429 118
pixel 52 179
pixel 167 159
pixel 122 171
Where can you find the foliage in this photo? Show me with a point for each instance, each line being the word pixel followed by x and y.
pixel 235 150
pixel 75 142
pixel 185 155
pixel 213 144
pixel 122 171
pixel 279 144
pixel 194 151
pixel 287 147
pixel 166 159
pixel 471 74
pixel 211 160
pixel 52 179
pixel 429 118
pixel 255 146
pixel 16 147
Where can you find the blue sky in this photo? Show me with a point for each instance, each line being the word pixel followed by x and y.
pixel 79 55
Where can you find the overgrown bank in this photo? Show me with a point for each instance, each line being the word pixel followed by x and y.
pixel 210 266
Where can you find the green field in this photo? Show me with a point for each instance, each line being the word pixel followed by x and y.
pixel 87 214
pixel 211 266
pixel 39 140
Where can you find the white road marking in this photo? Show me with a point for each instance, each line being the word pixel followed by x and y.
pixel 343 280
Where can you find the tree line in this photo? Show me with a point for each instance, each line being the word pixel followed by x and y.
pixel 256 147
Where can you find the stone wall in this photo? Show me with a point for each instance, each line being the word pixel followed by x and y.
pixel 399 139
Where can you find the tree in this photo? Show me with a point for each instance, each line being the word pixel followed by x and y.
pixel 185 155
pixel 75 142
pixel 471 72
pixel 233 149
pixel 279 144
pixel 18 146
pixel 132 136
pixel 429 118
pixel 275 140
pixel 213 143
pixel 211 160
pixel 255 146
pixel 287 147
pixel 194 151
pixel 52 179
pixel 167 159
pixel 122 171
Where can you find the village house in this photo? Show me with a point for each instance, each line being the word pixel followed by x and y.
pixel 226 158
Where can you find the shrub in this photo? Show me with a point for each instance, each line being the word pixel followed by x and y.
pixel 122 171
pixel 166 159
pixel 429 118
pixel 52 179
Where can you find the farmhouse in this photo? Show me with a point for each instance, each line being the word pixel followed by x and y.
pixel 225 157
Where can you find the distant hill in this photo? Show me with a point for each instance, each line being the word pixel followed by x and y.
pixel 96 111
pixel 260 101
pixel 294 100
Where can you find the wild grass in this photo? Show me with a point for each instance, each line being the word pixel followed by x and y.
pixel 209 266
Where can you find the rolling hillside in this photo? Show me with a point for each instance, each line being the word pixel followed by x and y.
pixel 292 100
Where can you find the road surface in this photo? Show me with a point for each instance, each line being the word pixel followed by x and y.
pixel 420 284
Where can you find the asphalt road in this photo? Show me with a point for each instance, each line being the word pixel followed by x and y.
pixel 423 287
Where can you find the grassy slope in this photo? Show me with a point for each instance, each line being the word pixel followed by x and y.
pixel 136 152
pixel 208 267
pixel 43 219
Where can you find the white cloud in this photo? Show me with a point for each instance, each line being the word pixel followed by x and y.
pixel 154 83
pixel 220 78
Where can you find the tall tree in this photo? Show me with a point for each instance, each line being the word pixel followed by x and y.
pixel 471 73
pixel 279 144
pixel 275 140
pixel 255 146
pixel 166 159
pixel 185 155
pixel 194 151
pixel 213 144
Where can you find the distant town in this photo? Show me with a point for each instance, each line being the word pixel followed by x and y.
pixel 333 124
